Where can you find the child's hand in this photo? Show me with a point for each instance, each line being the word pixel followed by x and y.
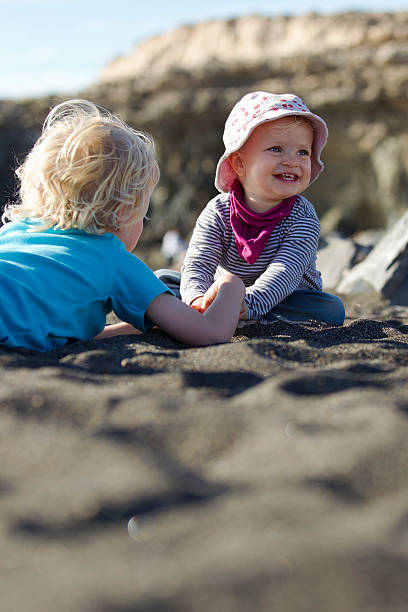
pixel 197 303
pixel 243 314
pixel 210 295
pixel 117 329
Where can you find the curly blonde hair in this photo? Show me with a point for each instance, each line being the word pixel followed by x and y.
pixel 88 170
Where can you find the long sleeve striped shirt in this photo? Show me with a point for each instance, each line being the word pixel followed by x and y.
pixel 287 263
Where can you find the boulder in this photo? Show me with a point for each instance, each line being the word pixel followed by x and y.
pixel 385 269
pixel 334 258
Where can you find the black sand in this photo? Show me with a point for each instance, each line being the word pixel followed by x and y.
pixel 269 474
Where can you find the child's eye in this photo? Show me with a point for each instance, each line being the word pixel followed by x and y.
pixel 304 152
pixel 275 149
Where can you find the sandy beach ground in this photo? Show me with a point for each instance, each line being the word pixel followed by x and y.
pixel 269 474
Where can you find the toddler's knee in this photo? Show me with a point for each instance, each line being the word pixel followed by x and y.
pixel 335 311
pixel 168 275
pixel 162 272
pixel 171 278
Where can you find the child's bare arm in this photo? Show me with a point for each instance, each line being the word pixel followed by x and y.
pixel 207 299
pixel 182 322
pixel 218 322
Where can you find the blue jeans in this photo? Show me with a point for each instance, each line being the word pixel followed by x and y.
pixel 302 305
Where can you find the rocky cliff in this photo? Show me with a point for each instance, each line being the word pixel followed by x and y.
pixel 350 68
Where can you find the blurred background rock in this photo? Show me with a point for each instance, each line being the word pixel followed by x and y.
pixel 351 68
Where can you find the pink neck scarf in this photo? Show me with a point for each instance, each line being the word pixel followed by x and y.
pixel 252 229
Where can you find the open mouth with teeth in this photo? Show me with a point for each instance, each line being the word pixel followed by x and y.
pixel 287 177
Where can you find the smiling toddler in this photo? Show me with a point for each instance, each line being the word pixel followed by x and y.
pixel 260 227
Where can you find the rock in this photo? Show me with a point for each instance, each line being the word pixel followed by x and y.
pixel 186 53
pixel 368 238
pixel 334 258
pixel 365 241
pixel 385 269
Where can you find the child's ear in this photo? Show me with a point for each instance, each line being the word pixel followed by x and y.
pixel 237 163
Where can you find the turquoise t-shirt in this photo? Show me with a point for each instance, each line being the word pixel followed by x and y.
pixel 58 285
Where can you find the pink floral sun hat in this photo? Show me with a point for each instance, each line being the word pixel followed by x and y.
pixel 257 108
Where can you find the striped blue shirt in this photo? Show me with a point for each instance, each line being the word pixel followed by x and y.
pixel 287 263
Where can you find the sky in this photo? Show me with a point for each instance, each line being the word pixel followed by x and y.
pixel 61 46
